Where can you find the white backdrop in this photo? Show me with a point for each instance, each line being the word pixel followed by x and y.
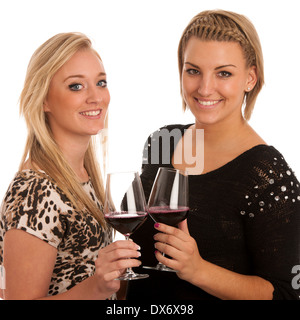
pixel 137 40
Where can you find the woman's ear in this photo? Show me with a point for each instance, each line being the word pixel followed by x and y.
pixel 46 106
pixel 252 79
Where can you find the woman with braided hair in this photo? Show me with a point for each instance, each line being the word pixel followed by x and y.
pixel 241 237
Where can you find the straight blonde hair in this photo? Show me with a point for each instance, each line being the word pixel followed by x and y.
pixel 41 149
pixel 220 25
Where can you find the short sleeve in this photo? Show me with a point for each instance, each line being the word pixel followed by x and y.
pixel 33 204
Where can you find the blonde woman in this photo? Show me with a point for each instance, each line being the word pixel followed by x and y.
pixel 241 237
pixel 54 242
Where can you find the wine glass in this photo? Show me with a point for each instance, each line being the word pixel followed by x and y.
pixel 168 201
pixel 125 208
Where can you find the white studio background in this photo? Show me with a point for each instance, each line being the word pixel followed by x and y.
pixel 137 40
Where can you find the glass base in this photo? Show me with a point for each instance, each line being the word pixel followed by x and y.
pixel 160 267
pixel 132 276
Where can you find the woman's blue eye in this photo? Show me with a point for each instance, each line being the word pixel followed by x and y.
pixel 75 86
pixel 102 83
pixel 78 86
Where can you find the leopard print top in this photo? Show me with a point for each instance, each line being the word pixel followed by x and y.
pixel 36 205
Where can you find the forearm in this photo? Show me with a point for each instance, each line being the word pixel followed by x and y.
pixel 228 285
pixel 85 290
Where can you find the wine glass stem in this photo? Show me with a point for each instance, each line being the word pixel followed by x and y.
pixel 128 270
pixel 161 265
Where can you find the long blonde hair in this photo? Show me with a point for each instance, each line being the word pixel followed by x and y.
pixel 41 148
pixel 220 25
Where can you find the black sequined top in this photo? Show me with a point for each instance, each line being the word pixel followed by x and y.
pixel 245 217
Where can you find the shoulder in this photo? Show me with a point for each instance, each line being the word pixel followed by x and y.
pixel 34 203
pixel 165 133
pixel 159 146
pixel 261 152
pixel 270 183
pixel 31 186
pixel 267 161
pixel 25 183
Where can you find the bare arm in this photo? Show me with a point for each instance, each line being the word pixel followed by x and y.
pixel 215 280
pixel 29 264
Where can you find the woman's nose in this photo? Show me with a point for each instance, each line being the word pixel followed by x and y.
pixel 94 95
pixel 206 86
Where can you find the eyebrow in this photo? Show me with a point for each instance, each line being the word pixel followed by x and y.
pixel 225 66
pixel 217 68
pixel 82 76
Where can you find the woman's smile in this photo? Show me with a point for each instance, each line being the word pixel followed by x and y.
pixel 92 114
pixel 208 104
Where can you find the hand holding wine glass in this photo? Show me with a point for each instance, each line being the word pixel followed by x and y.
pixel 168 201
pixel 125 208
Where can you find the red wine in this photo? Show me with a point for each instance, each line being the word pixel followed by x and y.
pixel 124 222
pixel 168 216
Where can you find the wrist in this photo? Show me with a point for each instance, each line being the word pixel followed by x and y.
pixel 89 289
pixel 200 277
pixel 196 274
pixel 97 289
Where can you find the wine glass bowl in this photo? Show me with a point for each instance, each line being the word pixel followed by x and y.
pixel 168 201
pixel 125 222
pixel 125 208
pixel 168 216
